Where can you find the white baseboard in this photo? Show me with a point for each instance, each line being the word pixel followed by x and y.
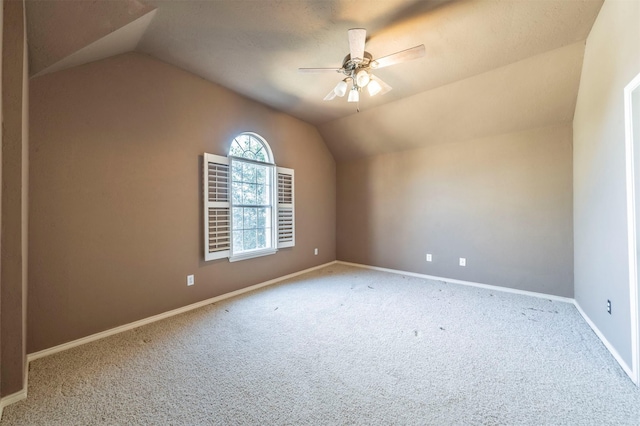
pixel 14 397
pixel 149 320
pixel 607 344
pixel 17 396
pixel 628 370
pixel 467 283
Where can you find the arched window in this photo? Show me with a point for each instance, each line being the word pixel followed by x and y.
pixel 252 195
pixel 248 201
pixel 251 147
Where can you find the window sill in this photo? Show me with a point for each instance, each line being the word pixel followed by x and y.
pixel 252 254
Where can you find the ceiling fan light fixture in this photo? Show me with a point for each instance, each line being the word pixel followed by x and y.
pixel 374 88
pixel 362 78
pixel 341 88
pixel 354 96
pixel 359 64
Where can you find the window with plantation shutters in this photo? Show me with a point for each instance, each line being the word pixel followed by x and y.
pixel 249 202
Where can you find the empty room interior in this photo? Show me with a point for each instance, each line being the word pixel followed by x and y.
pixel 319 212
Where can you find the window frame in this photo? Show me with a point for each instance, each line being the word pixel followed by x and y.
pixel 249 254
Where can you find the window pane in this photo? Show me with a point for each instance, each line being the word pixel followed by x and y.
pixel 235 149
pixel 260 155
pixel 254 145
pixel 262 217
pixel 250 239
pixel 244 141
pixel 249 172
pixel 249 194
pixel 261 175
pixel 262 194
pixel 262 239
pixel 237 218
pixel 236 171
pixel 238 245
pixel 257 149
pixel 236 192
pixel 250 218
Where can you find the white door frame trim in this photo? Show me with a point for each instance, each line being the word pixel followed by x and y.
pixel 631 229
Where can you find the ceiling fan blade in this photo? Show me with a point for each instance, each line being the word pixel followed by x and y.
pixel 330 95
pixel 310 70
pixel 377 86
pixel 398 57
pixel 357 38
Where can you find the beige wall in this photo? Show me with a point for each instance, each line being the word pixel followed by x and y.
pixel 13 290
pixel 611 61
pixel 115 194
pixel 503 203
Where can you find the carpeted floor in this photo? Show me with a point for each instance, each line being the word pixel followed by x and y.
pixel 342 345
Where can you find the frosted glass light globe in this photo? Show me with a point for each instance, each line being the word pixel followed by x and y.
pixel 362 78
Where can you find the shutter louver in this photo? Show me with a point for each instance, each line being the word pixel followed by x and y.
pixel 286 216
pixel 217 222
pixel 219 230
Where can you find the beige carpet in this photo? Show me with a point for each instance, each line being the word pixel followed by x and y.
pixel 342 345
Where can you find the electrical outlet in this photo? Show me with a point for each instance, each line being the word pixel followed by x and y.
pixel 609 306
pixel 463 261
pixel 429 258
pixel 315 251
pixel 191 280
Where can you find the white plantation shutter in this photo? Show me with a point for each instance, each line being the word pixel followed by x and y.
pixel 286 214
pixel 217 221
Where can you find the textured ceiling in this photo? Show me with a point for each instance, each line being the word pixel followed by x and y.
pixel 535 92
pixel 490 66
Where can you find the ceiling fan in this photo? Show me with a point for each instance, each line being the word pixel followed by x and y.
pixel 358 66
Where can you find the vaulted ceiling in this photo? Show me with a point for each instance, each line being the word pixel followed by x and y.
pixel 491 66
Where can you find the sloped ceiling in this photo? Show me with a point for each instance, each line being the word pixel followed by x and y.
pixel 57 29
pixel 491 66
